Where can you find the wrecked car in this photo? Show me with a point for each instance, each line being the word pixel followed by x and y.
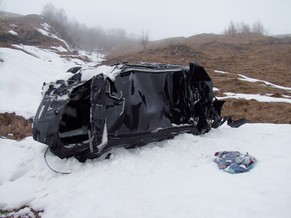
pixel 94 110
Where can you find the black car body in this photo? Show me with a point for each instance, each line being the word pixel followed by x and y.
pixel 95 110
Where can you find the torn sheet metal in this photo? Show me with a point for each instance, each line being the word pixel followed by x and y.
pixel 95 110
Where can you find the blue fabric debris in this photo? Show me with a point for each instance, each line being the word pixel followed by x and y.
pixel 234 162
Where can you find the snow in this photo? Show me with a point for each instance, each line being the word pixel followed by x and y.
pixel 221 72
pixel 23 72
pixel 104 138
pixel 258 97
pixel 46 26
pixel 215 89
pixel 59 48
pixel 46 32
pixel 173 178
pixel 94 56
pixel 109 71
pixel 13 32
pixel 249 79
pixel 286 96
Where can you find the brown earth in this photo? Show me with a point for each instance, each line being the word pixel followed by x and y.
pixel 260 57
pixel 26 28
pixel 15 127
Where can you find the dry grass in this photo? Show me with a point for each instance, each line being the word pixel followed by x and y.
pixel 260 57
pixel 26 27
pixel 15 127
pixel 260 112
pixel 266 58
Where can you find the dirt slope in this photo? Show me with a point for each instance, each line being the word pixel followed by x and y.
pixel 18 29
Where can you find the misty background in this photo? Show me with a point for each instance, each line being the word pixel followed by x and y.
pixel 108 23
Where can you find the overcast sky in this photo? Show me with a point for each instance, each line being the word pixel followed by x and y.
pixel 167 18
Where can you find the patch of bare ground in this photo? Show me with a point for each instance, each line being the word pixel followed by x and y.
pixel 260 57
pixel 258 112
pixel 15 127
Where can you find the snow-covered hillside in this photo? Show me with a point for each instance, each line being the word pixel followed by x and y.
pixel 173 178
pixel 25 68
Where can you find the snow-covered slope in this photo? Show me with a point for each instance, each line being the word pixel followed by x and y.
pixel 174 178
pixel 25 68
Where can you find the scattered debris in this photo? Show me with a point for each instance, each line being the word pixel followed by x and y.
pixel 234 162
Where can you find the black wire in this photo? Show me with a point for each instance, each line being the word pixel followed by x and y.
pixel 63 173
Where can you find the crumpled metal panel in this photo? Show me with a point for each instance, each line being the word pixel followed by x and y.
pixel 142 104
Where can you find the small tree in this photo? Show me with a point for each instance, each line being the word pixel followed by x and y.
pixel 58 20
pixel 258 28
pixel 244 28
pixel 231 29
pixel 143 39
pixel 49 13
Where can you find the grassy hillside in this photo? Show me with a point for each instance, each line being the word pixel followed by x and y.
pixel 27 30
pixel 260 57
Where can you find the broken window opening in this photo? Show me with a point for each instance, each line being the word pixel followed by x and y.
pixel 75 122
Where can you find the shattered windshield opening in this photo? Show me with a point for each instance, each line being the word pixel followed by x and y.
pixel 75 122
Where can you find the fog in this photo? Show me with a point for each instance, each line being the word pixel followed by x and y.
pixel 169 18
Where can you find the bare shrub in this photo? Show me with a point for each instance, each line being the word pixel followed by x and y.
pixel 258 28
pixel 143 39
pixel 244 28
pixel 231 30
